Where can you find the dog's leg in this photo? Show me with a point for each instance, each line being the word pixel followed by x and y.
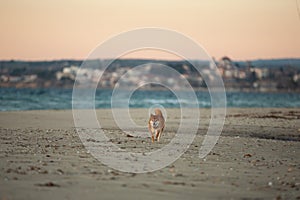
pixel 151 132
pixel 157 134
pixel 160 132
pixel 152 137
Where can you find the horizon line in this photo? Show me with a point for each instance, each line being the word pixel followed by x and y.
pixel 153 59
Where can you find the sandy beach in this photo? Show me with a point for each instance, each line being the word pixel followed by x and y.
pixel 256 157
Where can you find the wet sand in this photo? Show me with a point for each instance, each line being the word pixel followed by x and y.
pixel 256 157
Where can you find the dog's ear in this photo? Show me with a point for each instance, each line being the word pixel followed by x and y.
pixel 151 115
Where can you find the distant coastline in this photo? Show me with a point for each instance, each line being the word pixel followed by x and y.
pixel 269 75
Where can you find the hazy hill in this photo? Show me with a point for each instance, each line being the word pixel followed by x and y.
pixel 55 65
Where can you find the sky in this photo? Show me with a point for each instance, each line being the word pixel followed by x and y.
pixel 71 29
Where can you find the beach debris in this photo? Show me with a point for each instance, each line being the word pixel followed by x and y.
pixel 238 115
pixel 30 168
pixel 60 172
pixel 290 169
pixel 17 171
pixel 128 135
pixel 112 172
pixel 48 184
pixel 174 183
pixel 177 175
pixel 91 140
pixel 288 117
pixel 34 168
pixel 270 183
pixel 247 155
pixel 43 172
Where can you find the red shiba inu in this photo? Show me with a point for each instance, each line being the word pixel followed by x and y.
pixel 156 125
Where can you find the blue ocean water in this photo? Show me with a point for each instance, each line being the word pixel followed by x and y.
pixel 44 99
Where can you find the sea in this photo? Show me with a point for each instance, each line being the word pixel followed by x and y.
pixel 13 99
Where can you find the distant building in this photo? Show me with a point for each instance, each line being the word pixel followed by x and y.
pixel 4 78
pixel 30 78
pixel 14 79
pixel 67 73
pixel 227 68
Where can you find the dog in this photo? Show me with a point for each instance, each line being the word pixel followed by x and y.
pixel 156 125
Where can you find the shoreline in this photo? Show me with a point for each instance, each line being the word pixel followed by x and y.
pixel 227 89
pixel 256 156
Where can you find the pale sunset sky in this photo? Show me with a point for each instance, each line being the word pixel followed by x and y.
pixel 71 29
